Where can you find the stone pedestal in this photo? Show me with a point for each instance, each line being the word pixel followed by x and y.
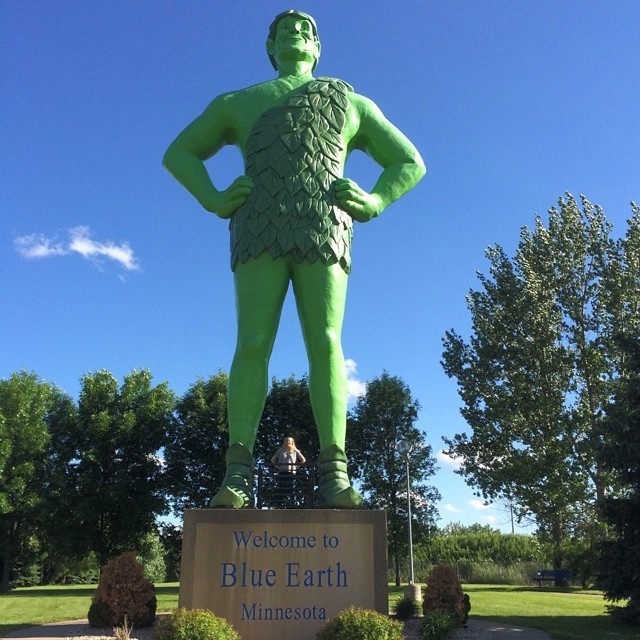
pixel 281 574
pixel 413 591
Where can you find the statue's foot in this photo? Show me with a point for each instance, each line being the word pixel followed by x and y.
pixel 236 491
pixel 335 490
pixel 231 499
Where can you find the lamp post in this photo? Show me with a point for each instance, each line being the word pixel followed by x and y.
pixel 404 448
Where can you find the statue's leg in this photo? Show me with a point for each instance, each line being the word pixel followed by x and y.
pixel 260 288
pixel 320 292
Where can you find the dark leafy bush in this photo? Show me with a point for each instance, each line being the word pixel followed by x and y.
pixel 437 625
pixel 361 624
pixel 444 593
pixel 123 591
pixel 406 607
pixel 194 624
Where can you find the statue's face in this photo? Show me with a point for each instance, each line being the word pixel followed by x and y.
pixel 294 40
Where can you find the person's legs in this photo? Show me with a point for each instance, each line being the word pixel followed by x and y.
pixel 320 292
pixel 260 286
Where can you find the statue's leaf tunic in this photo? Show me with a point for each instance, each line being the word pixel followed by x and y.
pixel 294 154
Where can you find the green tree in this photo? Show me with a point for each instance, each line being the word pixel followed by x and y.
pixel 381 417
pixel 24 435
pixel 151 555
pixel 620 556
pixel 171 538
pixel 60 552
pixel 108 471
pixel 537 373
pixel 196 443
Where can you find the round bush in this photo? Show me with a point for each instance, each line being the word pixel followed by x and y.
pixel 361 624
pixel 123 591
pixel 194 624
pixel 406 607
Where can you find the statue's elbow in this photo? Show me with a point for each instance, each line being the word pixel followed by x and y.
pixel 420 167
pixel 167 159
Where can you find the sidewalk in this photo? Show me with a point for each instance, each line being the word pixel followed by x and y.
pixel 80 629
pixel 501 631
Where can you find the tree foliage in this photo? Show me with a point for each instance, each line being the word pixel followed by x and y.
pixel 107 471
pixel 196 444
pixel 480 546
pixel 620 555
pixel 538 371
pixel 381 417
pixel 24 403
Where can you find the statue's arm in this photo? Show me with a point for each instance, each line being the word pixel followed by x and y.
pixel 204 137
pixel 402 166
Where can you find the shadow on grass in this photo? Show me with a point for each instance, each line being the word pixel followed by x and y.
pixel 60 591
pixel 167 590
pixel 511 589
pixel 51 592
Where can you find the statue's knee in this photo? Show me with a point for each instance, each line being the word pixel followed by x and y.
pixel 254 347
pixel 326 344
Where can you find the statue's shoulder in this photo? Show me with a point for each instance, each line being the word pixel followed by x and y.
pixel 245 93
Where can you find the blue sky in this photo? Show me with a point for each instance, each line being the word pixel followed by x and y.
pixel 107 263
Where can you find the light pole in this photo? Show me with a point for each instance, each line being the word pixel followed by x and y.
pixel 404 448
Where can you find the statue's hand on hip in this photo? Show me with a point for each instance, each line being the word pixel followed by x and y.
pixel 225 202
pixel 361 205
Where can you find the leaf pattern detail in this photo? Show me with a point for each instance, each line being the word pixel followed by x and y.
pixel 294 154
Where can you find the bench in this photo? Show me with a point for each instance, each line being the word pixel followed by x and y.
pixel 560 577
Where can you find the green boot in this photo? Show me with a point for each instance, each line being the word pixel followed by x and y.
pixel 335 490
pixel 237 487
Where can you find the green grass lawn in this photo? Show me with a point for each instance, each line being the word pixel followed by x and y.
pixel 39 605
pixel 575 615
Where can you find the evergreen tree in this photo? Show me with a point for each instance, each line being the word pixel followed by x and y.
pixel 619 561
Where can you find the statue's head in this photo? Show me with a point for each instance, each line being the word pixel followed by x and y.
pixel 290 22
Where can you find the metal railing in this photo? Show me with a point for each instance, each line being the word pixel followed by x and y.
pixel 277 490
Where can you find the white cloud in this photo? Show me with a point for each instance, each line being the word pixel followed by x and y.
pixel 448 461
pixel 490 519
pixel 356 386
pixel 479 505
pixel 37 246
pixel 80 242
pixel 451 509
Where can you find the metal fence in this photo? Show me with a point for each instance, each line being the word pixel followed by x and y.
pixel 277 490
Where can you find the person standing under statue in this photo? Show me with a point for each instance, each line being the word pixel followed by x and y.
pixel 291 221
pixel 286 460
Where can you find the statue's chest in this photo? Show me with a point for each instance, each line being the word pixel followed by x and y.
pixel 308 124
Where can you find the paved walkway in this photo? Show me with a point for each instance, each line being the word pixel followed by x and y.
pixel 501 631
pixel 81 629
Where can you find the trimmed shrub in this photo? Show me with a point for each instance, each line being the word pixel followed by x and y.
pixel 437 625
pixel 123 591
pixel 355 623
pixel 193 624
pixel 444 593
pixel 406 607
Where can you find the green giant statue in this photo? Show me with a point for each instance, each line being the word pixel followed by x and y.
pixel 291 220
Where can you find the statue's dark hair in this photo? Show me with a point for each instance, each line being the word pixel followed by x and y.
pixel 284 14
